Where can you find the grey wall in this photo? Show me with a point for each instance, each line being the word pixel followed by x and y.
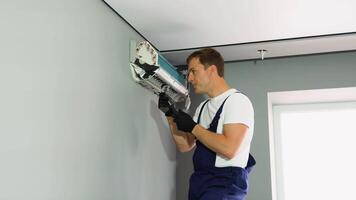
pixel 299 73
pixel 73 124
pixel 256 79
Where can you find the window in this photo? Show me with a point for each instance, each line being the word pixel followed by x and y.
pixel 313 145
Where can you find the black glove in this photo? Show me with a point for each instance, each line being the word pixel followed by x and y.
pixel 184 121
pixel 164 106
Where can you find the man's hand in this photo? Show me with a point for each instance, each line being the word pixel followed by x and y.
pixel 164 106
pixel 184 121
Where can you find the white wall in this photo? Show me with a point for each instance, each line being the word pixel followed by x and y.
pixel 73 125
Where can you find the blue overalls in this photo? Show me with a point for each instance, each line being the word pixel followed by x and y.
pixel 216 183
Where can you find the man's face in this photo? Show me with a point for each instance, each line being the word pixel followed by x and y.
pixel 198 76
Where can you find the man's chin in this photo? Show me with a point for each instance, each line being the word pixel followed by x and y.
pixel 197 91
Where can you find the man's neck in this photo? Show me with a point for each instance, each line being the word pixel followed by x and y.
pixel 218 88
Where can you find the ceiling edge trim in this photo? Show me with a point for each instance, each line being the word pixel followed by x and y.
pixel 293 56
pixel 263 41
pixel 184 67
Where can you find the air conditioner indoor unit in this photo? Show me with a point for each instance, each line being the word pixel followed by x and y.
pixel 152 71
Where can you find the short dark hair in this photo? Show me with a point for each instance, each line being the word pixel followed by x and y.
pixel 208 57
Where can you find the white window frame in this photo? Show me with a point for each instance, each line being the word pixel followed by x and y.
pixel 296 97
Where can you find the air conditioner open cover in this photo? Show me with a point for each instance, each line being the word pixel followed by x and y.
pixel 151 70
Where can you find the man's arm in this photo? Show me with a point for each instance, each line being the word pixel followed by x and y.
pixel 184 141
pixel 226 144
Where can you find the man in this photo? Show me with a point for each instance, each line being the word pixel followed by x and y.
pixel 221 130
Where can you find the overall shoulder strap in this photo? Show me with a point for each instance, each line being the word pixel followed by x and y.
pixel 201 110
pixel 222 106
pixel 217 115
pixel 214 123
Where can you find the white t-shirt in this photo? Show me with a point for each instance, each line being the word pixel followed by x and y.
pixel 237 109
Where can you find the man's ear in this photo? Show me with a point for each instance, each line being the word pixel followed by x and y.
pixel 214 69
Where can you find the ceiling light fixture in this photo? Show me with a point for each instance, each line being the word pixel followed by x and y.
pixel 262 53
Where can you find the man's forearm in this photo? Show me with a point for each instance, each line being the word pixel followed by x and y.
pixel 216 142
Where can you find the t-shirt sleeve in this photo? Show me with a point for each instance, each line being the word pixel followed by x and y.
pixel 238 109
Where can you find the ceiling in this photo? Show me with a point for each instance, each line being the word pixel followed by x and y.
pixel 238 29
